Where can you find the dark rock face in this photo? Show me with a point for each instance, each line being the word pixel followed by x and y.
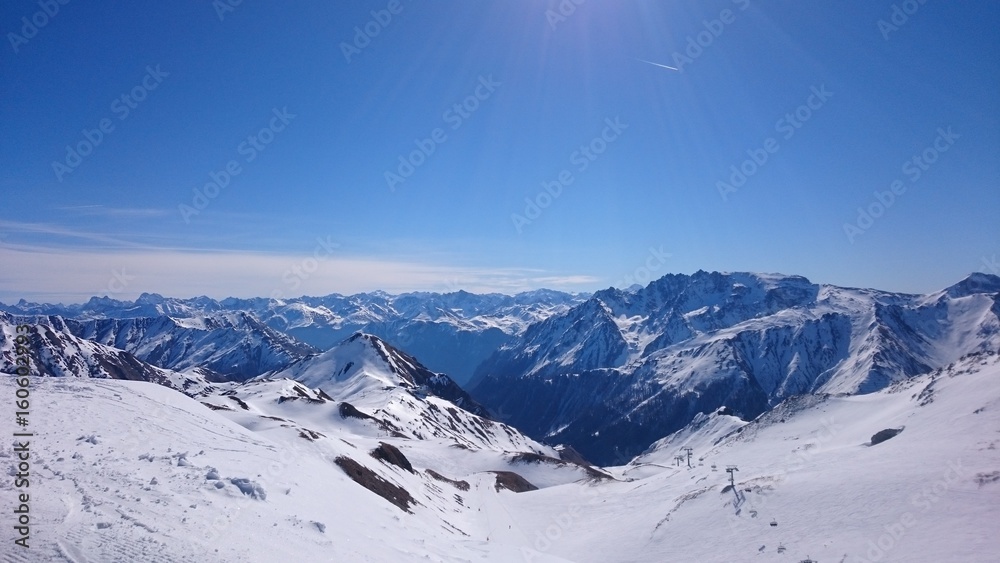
pixel 460 485
pixel 512 482
pixel 530 457
pixel 347 410
pixel 368 479
pixel 883 435
pixel 567 453
pixel 391 454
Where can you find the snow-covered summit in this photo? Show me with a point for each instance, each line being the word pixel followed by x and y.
pixel 364 364
pixel 644 364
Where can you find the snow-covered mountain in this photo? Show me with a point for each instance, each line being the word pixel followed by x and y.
pixel 53 350
pixel 609 374
pixel 621 370
pixel 149 474
pixel 235 345
pixel 147 305
pixel 370 424
pixel 452 332
pixel 364 365
pixel 384 391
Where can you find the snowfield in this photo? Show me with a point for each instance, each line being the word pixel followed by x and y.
pixel 133 471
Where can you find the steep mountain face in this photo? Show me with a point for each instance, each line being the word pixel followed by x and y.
pixel 365 366
pixel 452 332
pixel 236 345
pixel 623 369
pixel 54 351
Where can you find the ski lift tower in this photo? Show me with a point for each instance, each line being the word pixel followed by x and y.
pixel 688 450
pixel 678 459
pixel 731 470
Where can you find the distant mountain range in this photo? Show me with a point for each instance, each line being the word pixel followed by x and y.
pixel 450 333
pixel 608 373
pixel 54 351
pixel 363 378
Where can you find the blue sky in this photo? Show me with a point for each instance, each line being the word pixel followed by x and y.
pixel 310 115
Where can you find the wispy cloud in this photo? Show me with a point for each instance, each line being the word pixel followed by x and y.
pixel 49 237
pixel 59 232
pixel 115 212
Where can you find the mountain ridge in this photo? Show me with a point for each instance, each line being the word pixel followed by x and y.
pixel 450 332
pixel 622 369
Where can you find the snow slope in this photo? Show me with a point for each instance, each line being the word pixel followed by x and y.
pixel 928 494
pixel 131 471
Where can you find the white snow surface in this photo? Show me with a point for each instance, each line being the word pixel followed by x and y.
pixel 132 471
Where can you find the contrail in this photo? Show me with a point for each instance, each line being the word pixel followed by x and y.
pixel 658 64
